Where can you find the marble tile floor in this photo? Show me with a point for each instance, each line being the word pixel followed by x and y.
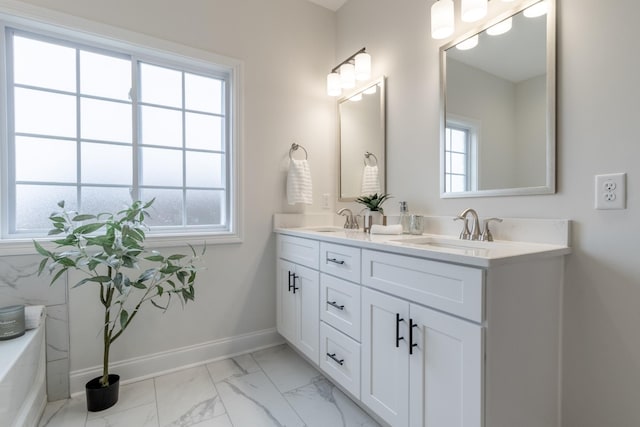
pixel 271 387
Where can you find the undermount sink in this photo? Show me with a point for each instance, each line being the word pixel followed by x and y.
pixel 445 243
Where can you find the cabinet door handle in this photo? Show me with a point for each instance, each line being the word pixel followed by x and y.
pixel 290 276
pixel 411 343
pixel 336 261
pixel 335 359
pixel 295 288
pixel 398 337
pixel 335 304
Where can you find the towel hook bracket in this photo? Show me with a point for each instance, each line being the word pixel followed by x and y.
pixel 367 156
pixel 295 147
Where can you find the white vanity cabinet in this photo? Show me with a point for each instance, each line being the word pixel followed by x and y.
pixel 298 287
pixel 427 342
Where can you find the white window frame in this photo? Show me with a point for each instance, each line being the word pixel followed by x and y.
pixel 144 49
pixel 473 128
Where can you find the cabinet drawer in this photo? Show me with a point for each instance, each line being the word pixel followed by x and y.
pixel 340 305
pixel 451 288
pixel 341 261
pixel 298 250
pixel 340 358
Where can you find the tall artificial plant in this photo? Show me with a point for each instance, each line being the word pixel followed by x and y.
pixel 108 250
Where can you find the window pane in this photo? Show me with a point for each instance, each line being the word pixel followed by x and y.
pixel 161 167
pixel 458 163
pixel 459 141
pixel 106 164
pixel 43 64
pixel 161 126
pixel 204 207
pixel 34 204
pixel 458 183
pixel 204 132
pixel 45 113
pixel 105 76
pixel 106 121
pixel 40 159
pixel 97 200
pixel 447 138
pixel 160 86
pixel 203 93
pixel 166 210
pixel 204 170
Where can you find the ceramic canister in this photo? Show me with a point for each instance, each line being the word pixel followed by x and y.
pixel 11 322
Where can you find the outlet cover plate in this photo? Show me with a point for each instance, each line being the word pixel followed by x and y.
pixel 611 191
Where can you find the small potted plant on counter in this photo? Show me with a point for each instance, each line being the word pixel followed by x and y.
pixel 108 250
pixel 373 212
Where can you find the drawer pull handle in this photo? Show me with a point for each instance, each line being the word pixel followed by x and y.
pixel 398 337
pixel 335 261
pixel 291 275
pixel 335 359
pixel 336 305
pixel 411 343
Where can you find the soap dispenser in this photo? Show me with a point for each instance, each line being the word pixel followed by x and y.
pixel 404 217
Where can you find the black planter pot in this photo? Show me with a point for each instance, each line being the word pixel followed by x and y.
pixel 100 398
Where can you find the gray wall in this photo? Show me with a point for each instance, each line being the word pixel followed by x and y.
pixel 598 110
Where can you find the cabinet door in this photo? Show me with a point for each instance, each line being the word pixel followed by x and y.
pixel 286 301
pixel 445 371
pixel 307 294
pixel 385 357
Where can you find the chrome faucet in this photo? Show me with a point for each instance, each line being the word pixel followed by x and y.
pixel 474 234
pixel 350 222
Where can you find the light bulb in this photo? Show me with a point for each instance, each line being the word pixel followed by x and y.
pixel 536 10
pixel 469 43
pixel 500 27
pixel 363 66
pixel 357 97
pixel 348 76
pixel 442 19
pixel 473 10
pixel 333 84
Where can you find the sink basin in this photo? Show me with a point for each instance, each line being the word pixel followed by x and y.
pixel 474 246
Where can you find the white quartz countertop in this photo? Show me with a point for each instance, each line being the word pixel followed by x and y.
pixel 432 246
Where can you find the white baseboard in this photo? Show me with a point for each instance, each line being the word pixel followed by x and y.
pixel 152 365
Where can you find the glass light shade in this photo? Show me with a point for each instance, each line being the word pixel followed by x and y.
pixel 442 19
pixel 363 66
pixel 348 76
pixel 333 84
pixel 500 27
pixel 357 97
pixel 536 10
pixel 469 43
pixel 473 10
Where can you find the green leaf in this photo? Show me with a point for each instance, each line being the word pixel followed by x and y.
pixel 55 231
pixel 58 274
pixel 160 290
pixel 155 258
pixel 99 279
pixel 124 316
pixel 156 305
pixel 56 219
pixel 42 251
pixel 79 218
pixel 170 269
pixel 42 265
pixel 67 262
pixel 89 228
pixel 138 285
pixel 176 257
pixel 149 203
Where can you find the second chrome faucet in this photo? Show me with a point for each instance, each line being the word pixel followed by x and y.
pixel 474 233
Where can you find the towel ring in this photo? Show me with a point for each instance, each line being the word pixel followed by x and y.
pixel 367 156
pixel 294 147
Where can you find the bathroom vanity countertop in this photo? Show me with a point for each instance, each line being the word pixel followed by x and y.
pixel 432 246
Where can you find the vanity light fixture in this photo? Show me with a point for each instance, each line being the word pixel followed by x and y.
pixel 370 90
pixel 501 27
pixel 473 10
pixel 357 97
pixel 443 18
pixel 345 74
pixel 467 44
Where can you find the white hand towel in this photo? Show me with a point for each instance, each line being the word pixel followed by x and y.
pixel 370 180
pixel 34 316
pixel 386 229
pixel 299 188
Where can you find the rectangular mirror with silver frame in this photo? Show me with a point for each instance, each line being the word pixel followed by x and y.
pixel 362 141
pixel 497 109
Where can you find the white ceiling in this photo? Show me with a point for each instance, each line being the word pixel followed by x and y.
pixel 330 4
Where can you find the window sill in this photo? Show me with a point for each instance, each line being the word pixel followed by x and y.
pixel 24 246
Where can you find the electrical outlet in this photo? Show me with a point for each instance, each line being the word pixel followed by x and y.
pixel 610 191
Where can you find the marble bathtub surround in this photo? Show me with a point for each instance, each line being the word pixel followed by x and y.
pixel 271 387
